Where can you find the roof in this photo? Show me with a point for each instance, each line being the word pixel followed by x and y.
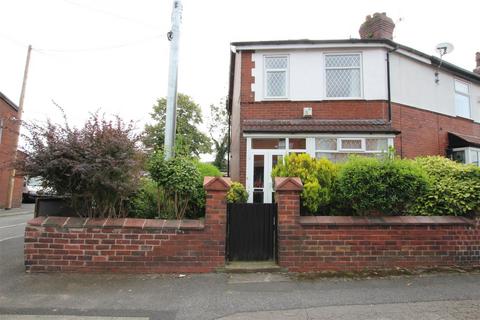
pixel 318 126
pixel 8 101
pixel 457 140
pixel 392 44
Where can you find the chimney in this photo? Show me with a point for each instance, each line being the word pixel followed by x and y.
pixel 477 69
pixel 377 27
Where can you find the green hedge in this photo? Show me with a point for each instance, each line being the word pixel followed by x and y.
pixel 380 186
pixel 455 188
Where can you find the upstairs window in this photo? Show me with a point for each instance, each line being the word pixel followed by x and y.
pixel 276 76
pixel 462 99
pixel 343 75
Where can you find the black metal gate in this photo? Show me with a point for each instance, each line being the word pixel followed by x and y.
pixel 251 231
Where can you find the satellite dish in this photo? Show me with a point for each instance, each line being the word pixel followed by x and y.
pixel 444 48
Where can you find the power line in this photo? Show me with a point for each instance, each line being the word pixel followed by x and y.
pixel 112 14
pixel 93 49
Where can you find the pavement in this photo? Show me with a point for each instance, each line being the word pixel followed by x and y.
pixel 440 296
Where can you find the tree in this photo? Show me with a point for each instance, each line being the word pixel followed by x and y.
pixel 189 140
pixel 219 133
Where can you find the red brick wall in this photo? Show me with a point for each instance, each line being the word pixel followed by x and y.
pixel 312 244
pixel 425 132
pixel 10 129
pixel 130 245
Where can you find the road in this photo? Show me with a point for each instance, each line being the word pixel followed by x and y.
pixel 12 222
pixel 451 296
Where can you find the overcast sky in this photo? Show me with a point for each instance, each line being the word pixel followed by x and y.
pixel 113 54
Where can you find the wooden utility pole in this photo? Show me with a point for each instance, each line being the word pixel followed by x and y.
pixel 11 181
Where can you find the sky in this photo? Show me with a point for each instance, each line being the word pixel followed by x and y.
pixel 112 55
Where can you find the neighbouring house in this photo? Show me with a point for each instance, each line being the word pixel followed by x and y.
pixel 332 98
pixel 9 131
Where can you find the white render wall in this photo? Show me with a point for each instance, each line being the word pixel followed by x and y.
pixel 412 79
pixel 307 73
pixel 413 84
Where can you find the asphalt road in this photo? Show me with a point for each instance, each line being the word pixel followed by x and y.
pixel 230 297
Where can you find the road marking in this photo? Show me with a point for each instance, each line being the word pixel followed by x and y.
pixel 10 238
pixel 13 225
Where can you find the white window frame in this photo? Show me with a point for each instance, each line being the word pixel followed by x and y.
pixel 325 55
pixel 361 149
pixel 455 80
pixel 468 153
pixel 287 76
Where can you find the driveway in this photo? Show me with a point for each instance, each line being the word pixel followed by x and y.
pixel 223 296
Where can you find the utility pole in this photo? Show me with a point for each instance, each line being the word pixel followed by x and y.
pixel 11 181
pixel 171 116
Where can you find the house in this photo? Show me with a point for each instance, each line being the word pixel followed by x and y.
pixel 332 98
pixel 9 131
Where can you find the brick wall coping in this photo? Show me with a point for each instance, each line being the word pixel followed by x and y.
pixel 128 223
pixel 383 221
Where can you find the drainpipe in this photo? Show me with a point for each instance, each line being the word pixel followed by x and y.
pixel 228 148
pixel 388 84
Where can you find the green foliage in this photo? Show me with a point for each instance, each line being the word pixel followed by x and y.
pixel 219 133
pixel 455 188
pixel 179 178
pixel 387 186
pixel 208 170
pixel 317 175
pixel 190 141
pixel 237 193
pixel 151 202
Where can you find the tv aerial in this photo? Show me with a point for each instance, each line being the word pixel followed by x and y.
pixel 442 49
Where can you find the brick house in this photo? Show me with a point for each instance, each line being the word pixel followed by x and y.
pixel 332 98
pixel 9 130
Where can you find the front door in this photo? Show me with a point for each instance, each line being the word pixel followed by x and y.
pixel 261 183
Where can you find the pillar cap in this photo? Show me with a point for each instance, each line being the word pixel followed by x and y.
pixel 288 184
pixel 216 183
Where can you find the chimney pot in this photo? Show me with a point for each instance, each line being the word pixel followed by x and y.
pixel 477 58
pixel 378 26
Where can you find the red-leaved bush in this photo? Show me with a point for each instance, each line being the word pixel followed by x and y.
pixel 97 166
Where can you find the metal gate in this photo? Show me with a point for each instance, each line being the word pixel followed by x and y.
pixel 251 231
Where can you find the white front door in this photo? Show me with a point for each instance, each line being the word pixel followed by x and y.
pixel 259 180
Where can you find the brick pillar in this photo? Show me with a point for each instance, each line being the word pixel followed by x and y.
pixel 216 215
pixel 287 196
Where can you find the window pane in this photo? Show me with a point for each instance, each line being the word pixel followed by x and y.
pixel 276 83
pixel 474 156
pixel 461 87
pixel 268 144
pixel 378 144
pixel 459 156
pixel 297 143
pixel 258 171
pixel 342 61
pixel 351 144
pixel 334 157
pixel 326 143
pixel 276 62
pixel 462 105
pixel 343 82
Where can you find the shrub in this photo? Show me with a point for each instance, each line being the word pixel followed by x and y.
pixel 179 177
pixel 317 175
pixel 208 170
pixel 387 186
pixel 237 193
pixel 150 201
pixel 455 188
pixel 97 166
